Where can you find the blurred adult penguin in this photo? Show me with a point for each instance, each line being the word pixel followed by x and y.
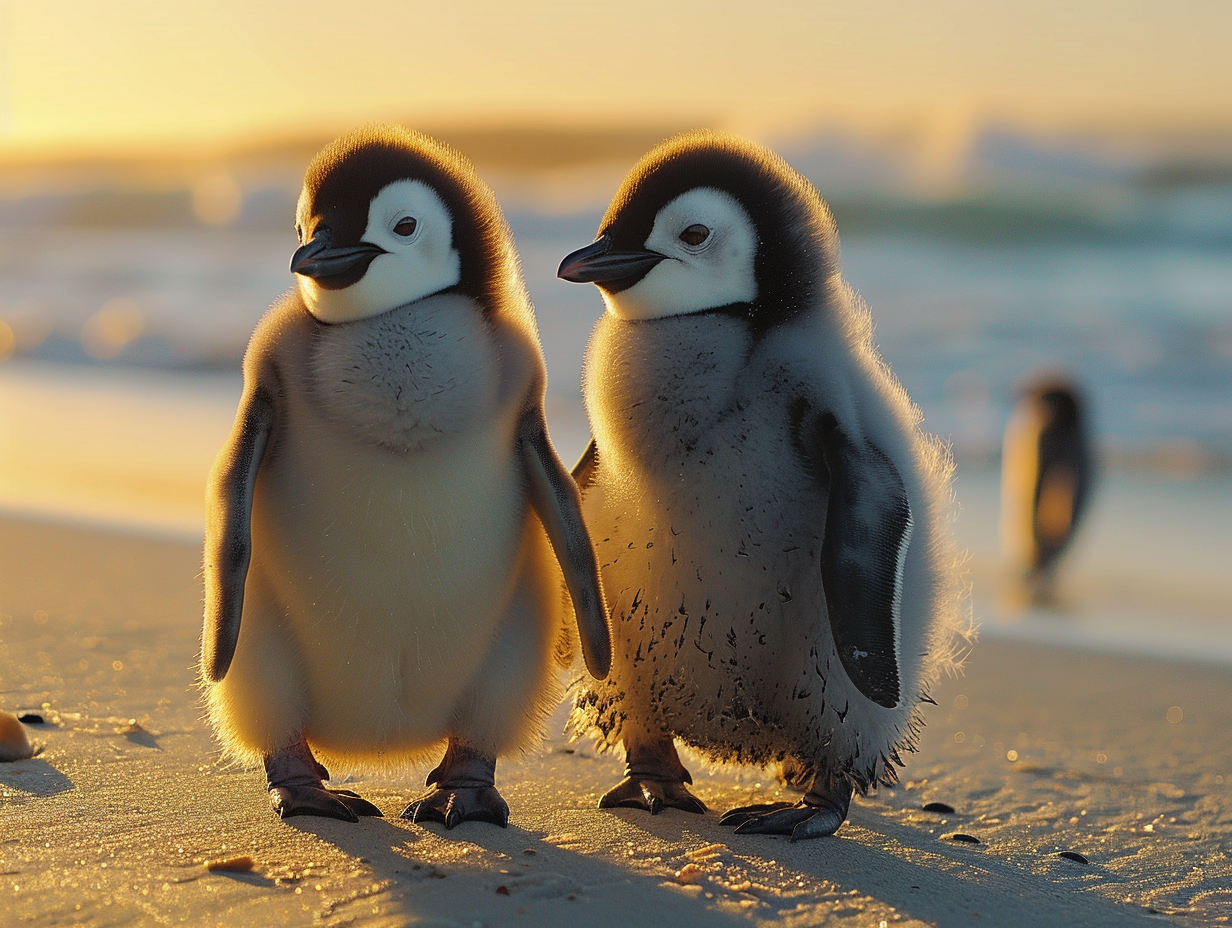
pixel 772 524
pixel 388 522
pixel 1046 476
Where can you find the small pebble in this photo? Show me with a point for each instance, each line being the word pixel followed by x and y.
pixel 31 718
pixel 529 850
pixel 231 865
pixel 1074 856
pixel 965 839
pixel 14 745
pixel 942 807
pixel 688 874
pixel 502 890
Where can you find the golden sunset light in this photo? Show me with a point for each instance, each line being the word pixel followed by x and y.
pixel 605 463
pixel 137 72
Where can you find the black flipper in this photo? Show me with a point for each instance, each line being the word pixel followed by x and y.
pixel 228 536
pixel 584 470
pixel 558 503
pixel 868 529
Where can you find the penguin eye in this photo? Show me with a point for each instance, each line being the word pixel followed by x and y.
pixel 406 227
pixel 695 234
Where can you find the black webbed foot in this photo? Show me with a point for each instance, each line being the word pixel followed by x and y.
pixel 651 795
pixel 465 791
pixel 452 806
pixel 316 800
pixel 294 779
pixel 741 814
pixel 654 780
pixel 818 814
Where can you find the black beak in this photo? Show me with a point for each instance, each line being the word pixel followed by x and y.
pixel 316 259
pixel 598 264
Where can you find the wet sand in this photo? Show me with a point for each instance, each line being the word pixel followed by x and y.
pixel 1040 750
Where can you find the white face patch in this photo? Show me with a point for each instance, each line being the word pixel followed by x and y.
pixel 717 271
pixel 417 265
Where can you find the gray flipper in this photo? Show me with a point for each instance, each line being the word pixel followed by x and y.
pixel 558 503
pixel 868 529
pixel 584 470
pixel 228 539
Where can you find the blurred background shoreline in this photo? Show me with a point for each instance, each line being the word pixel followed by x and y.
pixel 1110 260
pixel 128 290
pixel 1016 190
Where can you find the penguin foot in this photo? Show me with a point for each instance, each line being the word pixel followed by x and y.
pixel 651 795
pixel 814 816
pixel 654 780
pixel 465 791
pixel 294 779
pixel 453 805
pixel 316 800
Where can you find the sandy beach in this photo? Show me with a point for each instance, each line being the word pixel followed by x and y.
pixel 1040 750
pixel 1020 192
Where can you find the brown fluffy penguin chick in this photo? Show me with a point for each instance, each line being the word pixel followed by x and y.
pixel 388 522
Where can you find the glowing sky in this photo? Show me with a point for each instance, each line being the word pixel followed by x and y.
pixel 113 72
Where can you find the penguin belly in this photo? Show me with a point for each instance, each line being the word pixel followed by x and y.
pixel 386 575
pixel 709 529
pixel 718 610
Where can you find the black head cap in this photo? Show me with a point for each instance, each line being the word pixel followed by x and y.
pixel 797 243
pixel 347 174
pixel 1059 396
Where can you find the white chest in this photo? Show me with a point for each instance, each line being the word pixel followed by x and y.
pixel 408 378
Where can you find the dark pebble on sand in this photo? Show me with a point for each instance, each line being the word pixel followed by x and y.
pixel 31 718
pixel 943 807
pixel 1074 856
pixel 502 890
pixel 965 839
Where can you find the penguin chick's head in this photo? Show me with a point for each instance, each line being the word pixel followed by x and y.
pixel 708 221
pixel 388 216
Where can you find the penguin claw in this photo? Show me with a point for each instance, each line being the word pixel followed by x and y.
pixel 800 820
pixel 742 814
pixel 652 796
pixel 453 806
pixel 305 799
pixel 822 823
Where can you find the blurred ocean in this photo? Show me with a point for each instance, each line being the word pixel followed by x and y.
pixel 126 303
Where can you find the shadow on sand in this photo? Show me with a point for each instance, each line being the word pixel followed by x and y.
pixel 34 777
pixel 563 886
pixel 938 882
pixel 919 875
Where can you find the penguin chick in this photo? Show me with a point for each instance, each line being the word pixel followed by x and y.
pixel 1046 476
pixel 388 523
pixel 775 526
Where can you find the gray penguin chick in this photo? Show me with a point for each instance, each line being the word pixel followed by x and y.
pixel 388 524
pixel 772 524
